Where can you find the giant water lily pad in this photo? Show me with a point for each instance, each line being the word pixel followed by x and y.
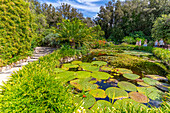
pixel 150 81
pixel 127 86
pixel 82 74
pixel 76 62
pixel 100 75
pixel 156 77
pixel 102 104
pixel 58 70
pixel 106 69
pixel 131 76
pixel 139 97
pixel 123 70
pixel 98 93
pixel 90 68
pixel 83 84
pixel 85 64
pixel 87 102
pixel 99 63
pixel 65 76
pixel 69 66
pixel 143 84
pixel 116 93
pixel 123 104
pixel 151 92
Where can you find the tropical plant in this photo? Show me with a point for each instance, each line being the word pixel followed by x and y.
pixel 74 31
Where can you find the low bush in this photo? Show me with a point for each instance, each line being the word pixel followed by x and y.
pixel 35 89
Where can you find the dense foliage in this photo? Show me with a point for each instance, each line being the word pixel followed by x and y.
pixel 161 28
pixel 118 19
pixel 16 30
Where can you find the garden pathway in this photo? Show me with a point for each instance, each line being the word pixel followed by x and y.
pixel 5 72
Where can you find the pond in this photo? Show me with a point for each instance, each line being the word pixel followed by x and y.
pixel 102 85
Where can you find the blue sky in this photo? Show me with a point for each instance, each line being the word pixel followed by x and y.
pixel 89 8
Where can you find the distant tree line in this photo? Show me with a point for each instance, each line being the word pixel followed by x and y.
pixel 119 19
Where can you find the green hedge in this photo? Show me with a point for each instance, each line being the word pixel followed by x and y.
pixel 15 30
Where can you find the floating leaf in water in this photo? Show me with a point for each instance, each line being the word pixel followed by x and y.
pixel 100 75
pixel 163 86
pixel 150 81
pixel 116 93
pixel 102 104
pixel 123 70
pixel 85 64
pixel 90 68
pixel 143 84
pixel 76 62
pixel 127 86
pixel 106 69
pixel 83 84
pixel 98 93
pixel 131 76
pixel 88 101
pixel 123 104
pixel 139 97
pixel 58 70
pixel 65 76
pixel 69 66
pixel 82 74
pixel 99 63
pixel 151 92
pixel 156 77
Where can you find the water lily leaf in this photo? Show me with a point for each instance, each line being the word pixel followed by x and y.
pixel 90 68
pixel 85 64
pixel 69 66
pixel 119 104
pixel 116 93
pixel 102 104
pixel 83 84
pixel 163 86
pixel 127 86
pixel 100 75
pixel 151 92
pixel 98 93
pixel 88 101
pixel 143 84
pixel 58 70
pixel 156 77
pixel 123 70
pixel 82 74
pixel 99 63
pixel 150 81
pixel 131 76
pixel 139 97
pixel 106 69
pixel 65 76
pixel 76 62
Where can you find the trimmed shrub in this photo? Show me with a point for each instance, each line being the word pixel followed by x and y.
pixel 15 30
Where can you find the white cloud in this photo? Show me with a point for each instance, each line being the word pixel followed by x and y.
pixel 87 6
